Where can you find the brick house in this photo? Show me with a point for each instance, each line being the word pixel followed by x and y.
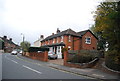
pixel 9 45
pixel 71 40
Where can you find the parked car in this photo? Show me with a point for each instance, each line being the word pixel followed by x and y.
pixel 20 52
pixel 52 55
pixel 14 52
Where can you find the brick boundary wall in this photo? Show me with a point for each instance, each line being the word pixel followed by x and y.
pixel 42 56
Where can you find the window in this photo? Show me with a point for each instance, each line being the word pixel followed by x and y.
pixel 53 40
pixel 69 38
pixel 48 42
pixel 58 49
pixel 88 40
pixel 61 38
pixel 69 48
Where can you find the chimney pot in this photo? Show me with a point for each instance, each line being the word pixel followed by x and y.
pixel 10 39
pixel 52 33
pixel 41 36
pixel 5 37
pixel 58 31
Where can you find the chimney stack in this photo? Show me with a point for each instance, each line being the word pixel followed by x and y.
pixel 5 37
pixel 41 36
pixel 58 31
pixel 10 39
pixel 52 33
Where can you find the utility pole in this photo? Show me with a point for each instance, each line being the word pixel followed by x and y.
pixel 23 44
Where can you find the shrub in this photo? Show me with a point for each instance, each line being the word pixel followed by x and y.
pixel 81 58
pixel 112 60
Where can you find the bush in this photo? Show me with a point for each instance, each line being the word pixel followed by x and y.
pixel 81 58
pixel 112 60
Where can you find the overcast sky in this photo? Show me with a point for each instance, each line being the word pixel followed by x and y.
pixel 42 17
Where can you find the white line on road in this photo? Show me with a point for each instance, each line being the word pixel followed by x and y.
pixel 98 75
pixel 32 69
pixel 14 61
pixel 11 59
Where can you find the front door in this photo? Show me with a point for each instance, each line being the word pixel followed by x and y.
pixel 59 52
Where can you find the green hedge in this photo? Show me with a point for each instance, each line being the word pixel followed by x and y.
pixel 81 58
pixel 36 49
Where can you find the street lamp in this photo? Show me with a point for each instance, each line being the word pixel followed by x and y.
pixel 23 43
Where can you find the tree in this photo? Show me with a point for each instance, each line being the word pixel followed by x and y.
pixel 25 45
pixel 107 28
pixel 101 41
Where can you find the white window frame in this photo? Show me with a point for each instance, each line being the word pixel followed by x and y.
pixel 69 38
pixel 62 38
pixel 53 40
pixel 88 41
pixel 69 47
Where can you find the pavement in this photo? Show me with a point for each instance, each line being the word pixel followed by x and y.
pixel 88 72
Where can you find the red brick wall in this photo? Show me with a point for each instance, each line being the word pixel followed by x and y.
pixel 9 47
pixel 67 43
pixel 76 43
pixel 93 42
pixel 65 40
pixel 42 56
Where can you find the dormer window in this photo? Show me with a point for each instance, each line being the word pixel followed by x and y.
pixel 88 40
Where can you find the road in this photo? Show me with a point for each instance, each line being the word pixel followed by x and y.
pixel 14 68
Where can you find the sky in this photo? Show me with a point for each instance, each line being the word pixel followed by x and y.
pixel 33 18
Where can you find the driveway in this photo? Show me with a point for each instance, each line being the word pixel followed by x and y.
pixel 57 61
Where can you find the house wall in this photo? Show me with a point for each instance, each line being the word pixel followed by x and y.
pixel 93 44
pixel 9 47
pixel 37 43
pixel 76 43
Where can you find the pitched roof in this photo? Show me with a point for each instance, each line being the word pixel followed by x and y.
pixel 8 41
pixel 84 32
pixel 69 32
pixel 66 32
pixel 81 33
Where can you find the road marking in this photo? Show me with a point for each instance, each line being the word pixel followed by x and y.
pixel 31 69
pixel 98 75
pixel 11 59
pixel 14 61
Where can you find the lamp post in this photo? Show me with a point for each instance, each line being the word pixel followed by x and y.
pixel 23 43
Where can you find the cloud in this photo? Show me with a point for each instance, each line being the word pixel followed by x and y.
pixel 35 17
